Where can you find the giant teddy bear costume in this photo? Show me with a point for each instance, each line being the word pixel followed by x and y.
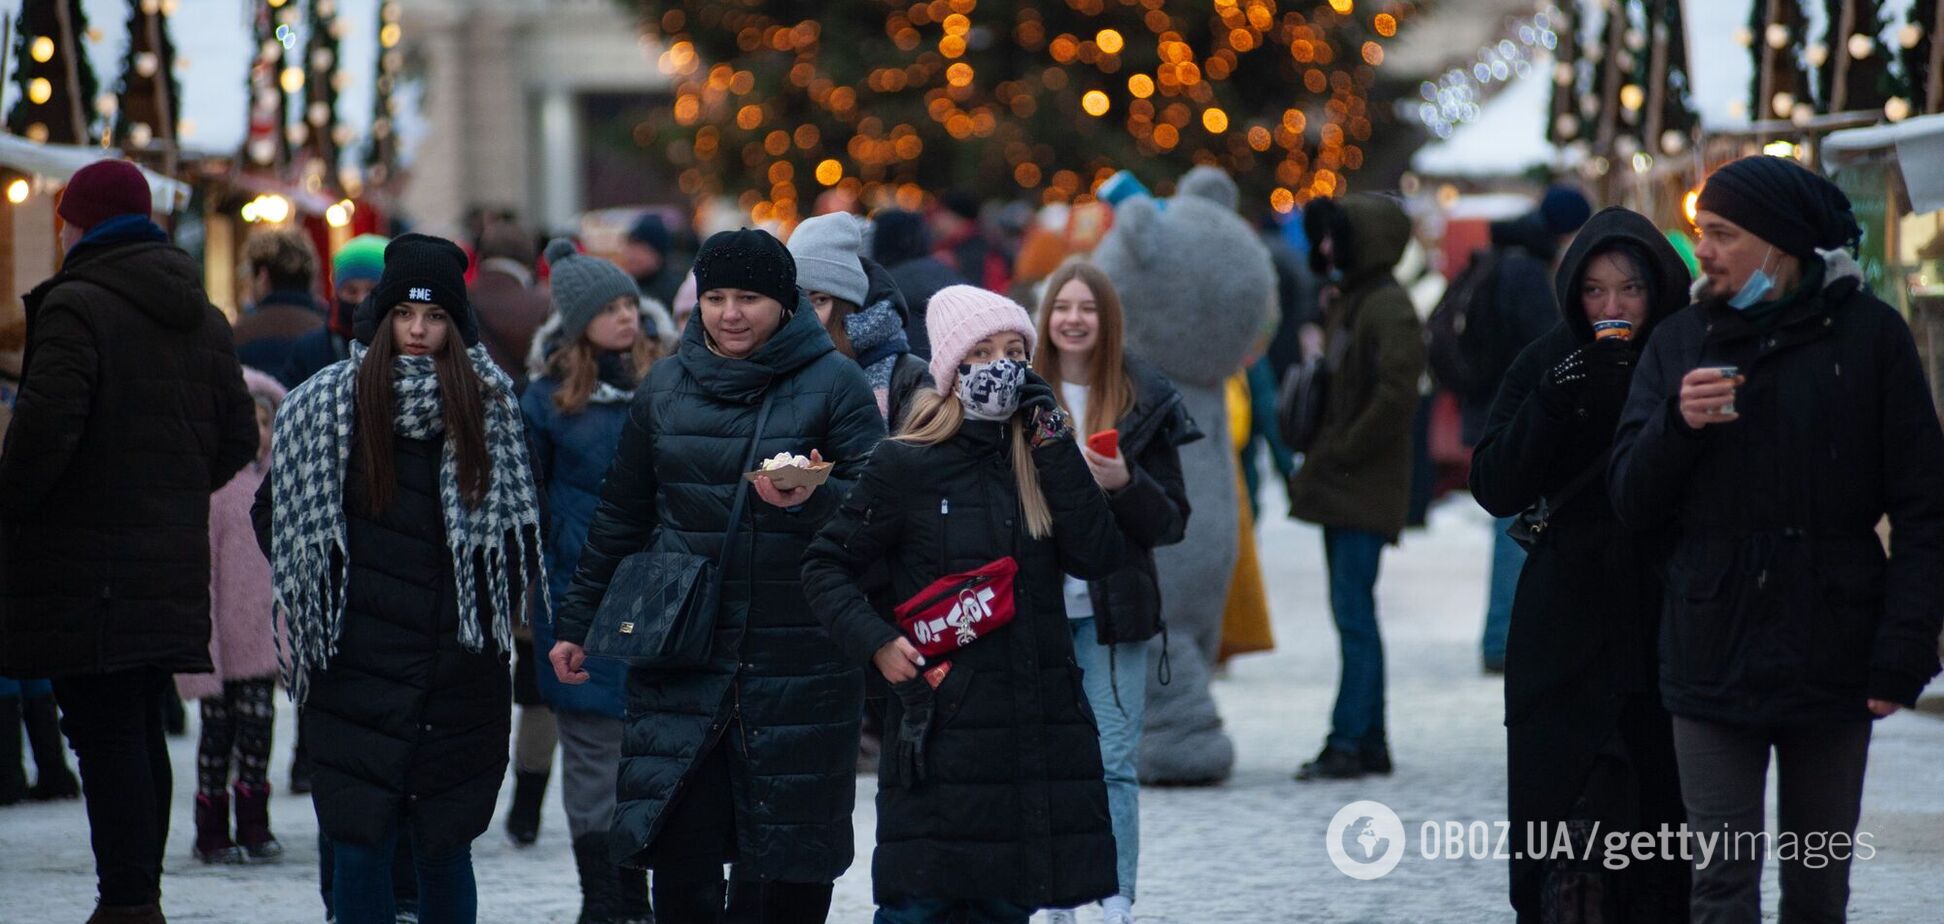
pixel 1198 289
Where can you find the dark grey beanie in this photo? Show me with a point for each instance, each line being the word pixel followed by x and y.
pixel 583 286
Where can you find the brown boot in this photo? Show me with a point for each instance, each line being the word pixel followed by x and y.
pixel 128 914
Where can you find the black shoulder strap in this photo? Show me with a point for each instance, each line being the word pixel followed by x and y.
pixel 742 487
pixel 1548 505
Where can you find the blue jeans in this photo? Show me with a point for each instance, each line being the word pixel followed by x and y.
pixel 1357 722
pixel 25 689
pixel 946 911
pixel 1120 733
pixel 1508 559
pixel 362 883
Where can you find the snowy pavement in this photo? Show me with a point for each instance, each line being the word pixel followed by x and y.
pixel 1251 851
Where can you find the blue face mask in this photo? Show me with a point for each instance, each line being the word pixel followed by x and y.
pixel 1757 288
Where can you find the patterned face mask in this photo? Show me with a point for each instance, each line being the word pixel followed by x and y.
pixel 990 391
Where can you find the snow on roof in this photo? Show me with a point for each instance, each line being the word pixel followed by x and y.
pixel 60 161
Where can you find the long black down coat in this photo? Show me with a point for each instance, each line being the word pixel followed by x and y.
pixel 404 721
pixel 775 684
pixel 131 411
pixel 1579 666
pixel 1781 607
pixel 1013 806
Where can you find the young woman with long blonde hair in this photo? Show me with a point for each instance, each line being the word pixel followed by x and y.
pixel 984 475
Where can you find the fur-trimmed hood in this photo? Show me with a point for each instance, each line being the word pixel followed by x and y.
pixel 654 317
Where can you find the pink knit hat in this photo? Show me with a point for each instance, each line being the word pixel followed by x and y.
pixel 957 317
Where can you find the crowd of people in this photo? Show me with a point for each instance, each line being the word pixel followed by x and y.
pixel 852 505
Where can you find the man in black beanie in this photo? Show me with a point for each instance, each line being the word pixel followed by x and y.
pixel 1771 426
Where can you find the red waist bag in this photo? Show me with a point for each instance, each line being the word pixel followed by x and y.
pixel 959 609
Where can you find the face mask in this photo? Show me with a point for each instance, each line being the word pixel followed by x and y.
pixel 990 391
pixel 1758 286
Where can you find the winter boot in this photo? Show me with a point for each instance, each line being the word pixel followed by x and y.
pixel 529 793
pixel 253 824
pixel 600 890
pixel 56 781
pixel 13 780
pixel 213 844
pixel 633 892
pixel 128 914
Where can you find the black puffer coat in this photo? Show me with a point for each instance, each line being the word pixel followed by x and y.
pixel 1013 806
pixel 1579 666
pixel 131 411
pixel 775 684
pixel 403 719
pixel 1152 509
pixel 1781 607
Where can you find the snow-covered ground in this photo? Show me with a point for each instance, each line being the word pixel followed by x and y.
pixel 1251 851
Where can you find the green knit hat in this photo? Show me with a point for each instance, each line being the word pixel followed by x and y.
pixel 362 257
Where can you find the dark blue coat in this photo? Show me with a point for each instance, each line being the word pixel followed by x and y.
pixel 571 455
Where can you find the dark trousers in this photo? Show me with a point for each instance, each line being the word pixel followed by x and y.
pixel 363 877
pixel 1357 722
pixel 114 721
pixel 1724 778
pixel 697 838
pixel 946 911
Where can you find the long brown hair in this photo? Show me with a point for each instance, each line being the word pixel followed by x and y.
pixel 1110 392
pixel 935 418
pixel 577 368
pixel 839 334
pixel 463 410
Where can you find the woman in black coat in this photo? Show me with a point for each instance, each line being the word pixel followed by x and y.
pixel 750 759
pixel 990 798
pixel 1587 740
pixel 1081 331
pixel 403 531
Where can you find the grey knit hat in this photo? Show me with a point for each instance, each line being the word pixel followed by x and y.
pixel 826 249
pixel 583 286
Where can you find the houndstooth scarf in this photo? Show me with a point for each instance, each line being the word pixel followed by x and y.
pixel 312 443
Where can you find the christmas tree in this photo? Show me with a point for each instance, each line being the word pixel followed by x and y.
pixel 148 101
pixel 270 83
pixel 322 134
pixel 1009 97
pixel 1923 57
pixel 55 81
pixel 381 154
pixel 1779 89
pixel 1852 73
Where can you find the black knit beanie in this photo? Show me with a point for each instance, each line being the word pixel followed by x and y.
pixel 420 268
pixel 1783 203
pixel 750 260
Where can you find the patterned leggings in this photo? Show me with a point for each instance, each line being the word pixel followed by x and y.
pixel 238 721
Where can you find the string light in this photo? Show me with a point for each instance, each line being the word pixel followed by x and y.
pixel 1457 96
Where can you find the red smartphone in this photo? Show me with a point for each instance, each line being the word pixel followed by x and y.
pixel 936 675
pixel 1106 442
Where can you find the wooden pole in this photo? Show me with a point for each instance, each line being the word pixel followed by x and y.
pixel 1936 92
pixel 1839 40
pixel 1657 76
pixel 152 23
pixel 69 50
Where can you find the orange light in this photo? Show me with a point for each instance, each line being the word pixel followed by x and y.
pixel 1141 85
pixel 1110 41
pixel 1095 103
pixel 830 172
pixel 1215 120
pixel 1385 24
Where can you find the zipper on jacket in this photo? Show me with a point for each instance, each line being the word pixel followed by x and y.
pixel 944 524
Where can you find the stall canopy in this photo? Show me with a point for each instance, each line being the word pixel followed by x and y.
pixel 1919 147
pixel 59 162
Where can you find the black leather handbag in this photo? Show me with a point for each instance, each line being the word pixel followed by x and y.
pixel 660 607
pixel 1528 529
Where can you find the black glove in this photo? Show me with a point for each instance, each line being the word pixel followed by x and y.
pixel 1035 394
pixel 1595 377
pixel 907 751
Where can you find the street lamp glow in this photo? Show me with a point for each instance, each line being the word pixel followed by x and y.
pixel 18 191
pixel 1095 103
pixel 1110 41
